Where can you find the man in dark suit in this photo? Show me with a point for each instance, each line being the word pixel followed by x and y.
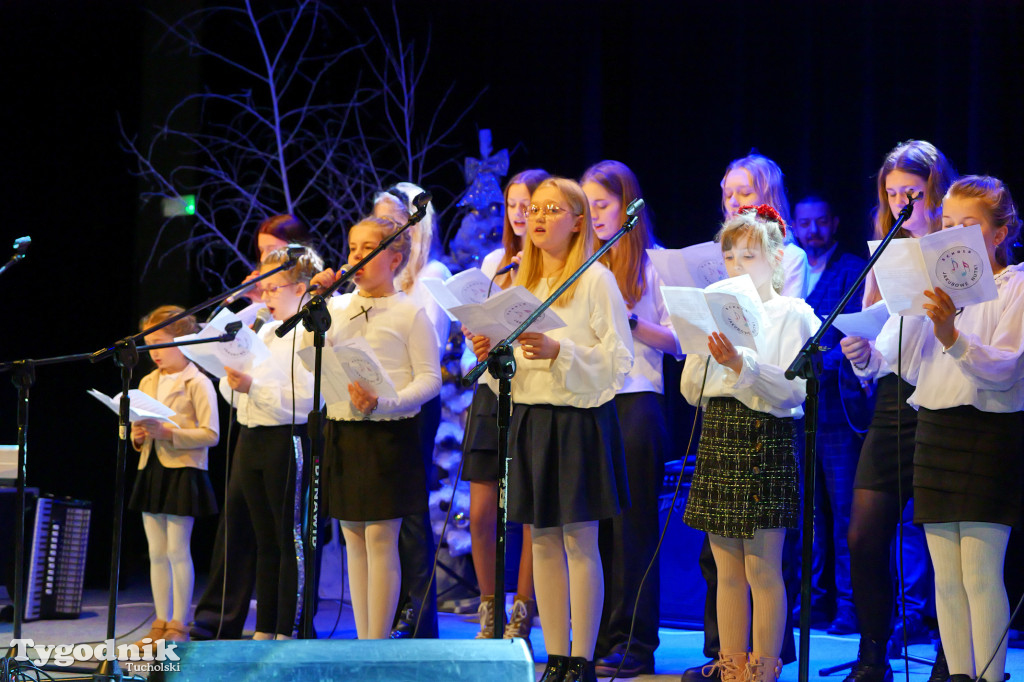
pixel 831 273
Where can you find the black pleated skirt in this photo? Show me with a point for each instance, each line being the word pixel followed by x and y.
pixel 373 470
pixel 567 465
pixel 968 466
pixel 179 491
pixel 887 455
pixel 746 477
pixel 480 444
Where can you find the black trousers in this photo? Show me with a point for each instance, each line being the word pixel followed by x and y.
pixel 627 541
pixel 416 546
pixel 266 467
pixel 234 556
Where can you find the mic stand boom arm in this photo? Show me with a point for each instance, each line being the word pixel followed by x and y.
pixel 807 365
pixel 502 365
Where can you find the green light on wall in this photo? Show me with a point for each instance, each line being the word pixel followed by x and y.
pixel 181 205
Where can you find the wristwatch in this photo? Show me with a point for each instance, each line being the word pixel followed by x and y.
pixel 633 320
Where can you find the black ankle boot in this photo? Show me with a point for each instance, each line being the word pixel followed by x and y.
pixel 872 663
pixel 940 669
pixel 580 670
pixel 556 668
pixel 961 678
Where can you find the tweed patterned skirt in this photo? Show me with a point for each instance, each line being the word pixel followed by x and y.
pixel 746 476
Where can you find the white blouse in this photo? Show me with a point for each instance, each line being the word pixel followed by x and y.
pixel 401 336
pixel 489 265
pixel 420 296
pixel 596 348
pixel 984 366
pixel 269 400
pixel 795 271
pixel 648 372
pixel 761 384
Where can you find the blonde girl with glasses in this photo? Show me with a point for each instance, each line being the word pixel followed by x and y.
pixel 274 399
pixel 567 468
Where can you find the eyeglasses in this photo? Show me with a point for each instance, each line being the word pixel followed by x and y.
pixel 551 210
pixel 267 291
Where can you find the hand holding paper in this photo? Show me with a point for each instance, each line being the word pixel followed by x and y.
pixel 142 407
pixel 350 362
pixel 501 314
pixel 731 307
pixel 954 260
pixel 240 354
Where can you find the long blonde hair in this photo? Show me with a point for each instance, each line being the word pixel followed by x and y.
pixel 400 196
pixel 924 160
pixel 768 181
pixel 581 243
pixel 627 259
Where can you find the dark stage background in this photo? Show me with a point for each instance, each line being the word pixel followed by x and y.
pixel 674 89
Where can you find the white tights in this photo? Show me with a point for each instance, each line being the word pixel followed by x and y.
pixel 170 564
pixel 751 570
pixel 970 597
pixel 568 579
pixel 374 574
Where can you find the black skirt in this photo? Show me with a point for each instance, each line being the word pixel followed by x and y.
pixel 480 444
pixel 887 455
pixel 746 477
pixel 178 491
pixel 968 466
pixel 373 470
pixel 567 465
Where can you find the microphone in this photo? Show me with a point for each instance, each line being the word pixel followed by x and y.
pixel 21 245
pixel 263 315
pixel 508 268
pixel 635 207
pixel 421 200
pixel 337 275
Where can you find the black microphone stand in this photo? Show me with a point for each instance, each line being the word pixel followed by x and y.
pixel 315 317
pixel 23 376
pixel 501 364
pixel 126 356
pixel 20 249
pixel 807 365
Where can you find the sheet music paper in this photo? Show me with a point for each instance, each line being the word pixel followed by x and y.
pixel 469 286
pixel 732 307
pixel 697 266
pixel 141 407
pixel 954 260
pixel 350 361
pixel 241 354
pixel 865 323
pixel 502 313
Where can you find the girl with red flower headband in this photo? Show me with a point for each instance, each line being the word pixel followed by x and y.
pixel 745 491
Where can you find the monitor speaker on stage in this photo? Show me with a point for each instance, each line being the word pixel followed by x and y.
pixel 682 587
pixel 436 660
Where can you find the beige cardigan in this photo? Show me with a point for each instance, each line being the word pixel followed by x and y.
pixel 194 402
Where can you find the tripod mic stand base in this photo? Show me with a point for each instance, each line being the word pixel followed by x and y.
pixel 108 671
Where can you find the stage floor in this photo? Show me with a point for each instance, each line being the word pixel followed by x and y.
pixel 679 649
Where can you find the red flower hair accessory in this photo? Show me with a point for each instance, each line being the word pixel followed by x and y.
pixel 766 212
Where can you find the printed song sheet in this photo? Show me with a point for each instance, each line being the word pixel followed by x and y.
pixel 732 307
pixel 695 266
pixel 954 260
pixel 142 406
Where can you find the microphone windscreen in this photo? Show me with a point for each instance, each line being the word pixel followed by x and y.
pixel 263 315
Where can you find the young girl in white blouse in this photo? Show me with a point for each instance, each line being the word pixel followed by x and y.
pixel 745 490
pixel 274 400
pixel 967 367
pixel 628 540
pixel 567 469
pixel 373 473
pixel 481 465
pixel 172 487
